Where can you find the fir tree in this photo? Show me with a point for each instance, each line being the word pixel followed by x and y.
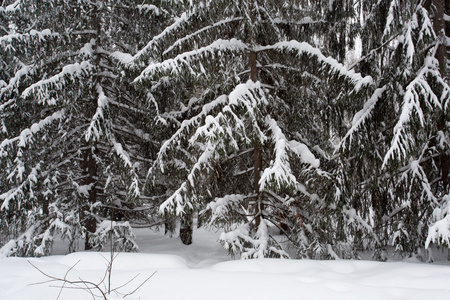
pixel 400 136
pixel 255 120
pixel 73 129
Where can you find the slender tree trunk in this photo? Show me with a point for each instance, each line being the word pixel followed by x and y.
pixel 439 29
pixel 90 172
pixel 257 163
pixel 187 228
pixel 45 209
pixel 253 66
pixel 445 160
pixel 253 55
pixel 45 205
pixel 439 26
pixel 89 163
pixel 257 154
pixel 169 225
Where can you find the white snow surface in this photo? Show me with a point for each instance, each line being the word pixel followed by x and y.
pixel 203 271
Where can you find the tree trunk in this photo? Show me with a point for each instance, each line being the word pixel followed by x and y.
pixel 445 161
pixel 253 66
pixel 439 29
pixel 169 225
pixel 45 204
pixel 439 26
pixel 187 228
pixel 257 152
pixel 445 167
pixel 45 209
pixel 89 164
pixel 253 55
pixel 90 172
pixel 257 163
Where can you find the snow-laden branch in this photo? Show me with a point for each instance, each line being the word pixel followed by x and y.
pixel 181 133
pixel 303 21
pixel 227 124
pixel 427 24
pixel 217 133
pixel 133 189
pixel 22 140
pixel 142 55
pixel 410 38
pixel 410 48
pixel 279 171
pixel 28 70
pixel 188 37
pixel 25 240
pixel 302 151
pixel 6 104
pixel 240 240
pixel 220 207
pixel 248 96
pixel 265 14
pixel 41 88
pixel 181 199
pixel 95 127
pixel 150 8
pixel 362 116
pixel 390 17
pixel 212 130
pixel 19 191
pixel 353 216
pixel 303 48
pixel 33 34
pixel 187 59
pixel 121 234
pixel 38 238
pixel 418 172
pixel 418 90
pixel 14 81
pixel 177 200
pixel 439 232
pixel 13 7
pixel 26 135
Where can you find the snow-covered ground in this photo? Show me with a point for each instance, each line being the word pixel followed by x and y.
pixel 204 271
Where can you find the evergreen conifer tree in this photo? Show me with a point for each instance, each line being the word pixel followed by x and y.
pixel 75 139
pixel 399 140
pixel 255 120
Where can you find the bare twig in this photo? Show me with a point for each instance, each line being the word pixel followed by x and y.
pixel 75 283
pixel 139 286
pixel 103 287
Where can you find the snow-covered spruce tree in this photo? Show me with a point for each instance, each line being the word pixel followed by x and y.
pixel 399 141
pixel 74 135
pixel 254 121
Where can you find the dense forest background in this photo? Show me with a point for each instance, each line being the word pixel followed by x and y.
pixel 319 126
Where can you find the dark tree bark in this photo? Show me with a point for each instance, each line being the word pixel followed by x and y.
pixel 257 164
pixel 187 228
pixel 89 164
pixel 257 154
pixel 439 25
pixel 439 29
pixel 90 170
pixel 169 225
